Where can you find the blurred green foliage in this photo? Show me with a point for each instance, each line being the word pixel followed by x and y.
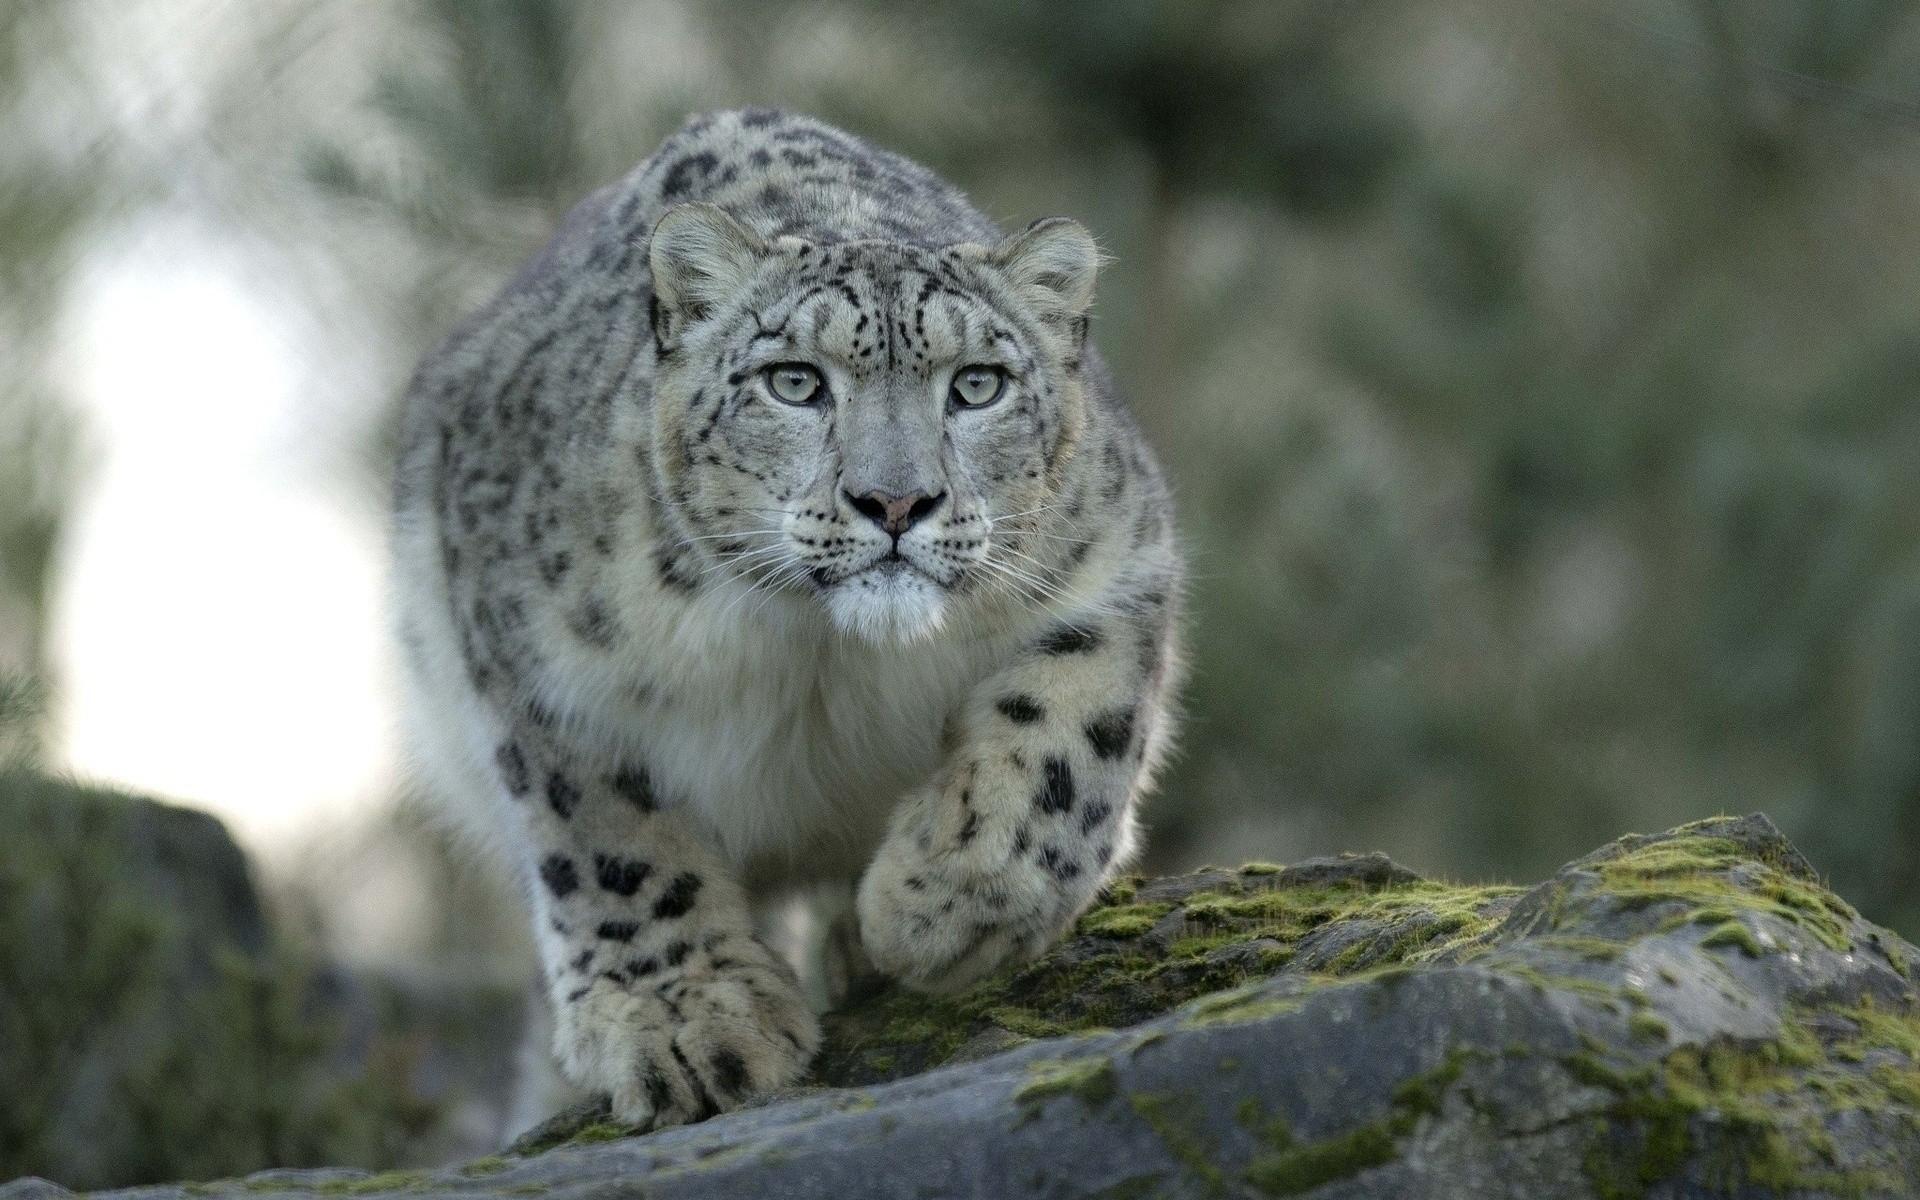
pixel 48 200
pixel 1538 380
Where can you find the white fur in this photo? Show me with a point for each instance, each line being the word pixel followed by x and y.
pixel 888 606
pixel 789 734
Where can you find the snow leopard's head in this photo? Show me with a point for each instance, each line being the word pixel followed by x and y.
pixel 879 424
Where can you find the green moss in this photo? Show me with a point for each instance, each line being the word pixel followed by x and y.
pixel 1884 1029
pixel 1298 1168
pixel 1188 949
pixel 1239 1005
pixel 1024 1021
pixel 1091 1080
pixel 392 1181
pixel 1122 920
pixel 1589 948
pixel 925 1021
pixel 1289 1166
pixel 1797 1046
pixel 386 1181
pixel 1760 1108
pixel 1190 1148
pixel 1133 1187
pixel 1692 871
pixel 1427 918
pixel 1541 981
pixel 1131 960
pixel 1895 959
pixel 493 1164
pixel 1902 1085
pixel 1765 1105
pixel 599 1131
pixel 1734 933
pixel 587 1122
pixel 1422 1095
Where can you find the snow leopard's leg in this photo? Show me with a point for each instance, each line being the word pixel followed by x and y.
pixel 662 997
pixel 1031 809
pixel 836 968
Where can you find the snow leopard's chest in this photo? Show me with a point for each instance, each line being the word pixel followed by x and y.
pixel 788 741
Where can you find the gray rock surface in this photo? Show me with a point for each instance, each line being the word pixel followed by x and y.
pixel 1690 1014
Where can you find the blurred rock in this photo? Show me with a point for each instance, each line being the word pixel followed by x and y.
pixel 150 1028
pixel 1687 1014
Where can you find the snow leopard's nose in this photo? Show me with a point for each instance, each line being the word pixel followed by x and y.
pixel 895 514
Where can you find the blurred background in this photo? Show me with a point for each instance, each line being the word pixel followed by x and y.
pixel 1540 381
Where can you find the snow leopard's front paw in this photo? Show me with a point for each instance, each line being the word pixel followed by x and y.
pixel 681 1044
pixel 943 905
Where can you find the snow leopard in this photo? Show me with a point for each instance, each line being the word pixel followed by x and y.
pixel 776 532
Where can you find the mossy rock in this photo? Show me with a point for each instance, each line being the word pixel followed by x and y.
pixel 1688 1014
pixel 149 1027
pixel 1150 946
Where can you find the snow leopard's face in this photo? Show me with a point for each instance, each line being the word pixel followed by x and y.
pixel 876 424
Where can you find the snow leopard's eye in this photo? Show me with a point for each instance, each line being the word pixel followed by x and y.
pixel 793 383
pixel 978 386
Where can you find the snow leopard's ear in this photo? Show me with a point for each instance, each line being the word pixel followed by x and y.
pixel 699 255
pixel 1052 263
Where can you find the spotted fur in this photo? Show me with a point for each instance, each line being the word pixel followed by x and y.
pixel 677 646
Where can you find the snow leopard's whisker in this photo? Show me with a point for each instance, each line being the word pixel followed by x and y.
pixel 1018 594
pixel 776 583
pixel 768 583
pixel 1048 507
pixel 1044 568
pixel 1044 508
pixel 1001 585
pixel 774 535
pixel 791 571
pixel 736 536
pixel 1011 554
pixel 747 563
pixel 1039 588
pixel 729 558
pixel 1031 586
pixel 1055 537
pixel 776 547
pixel 775 587
pixel 749 587
pixel 755 562
pixel 1005 529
